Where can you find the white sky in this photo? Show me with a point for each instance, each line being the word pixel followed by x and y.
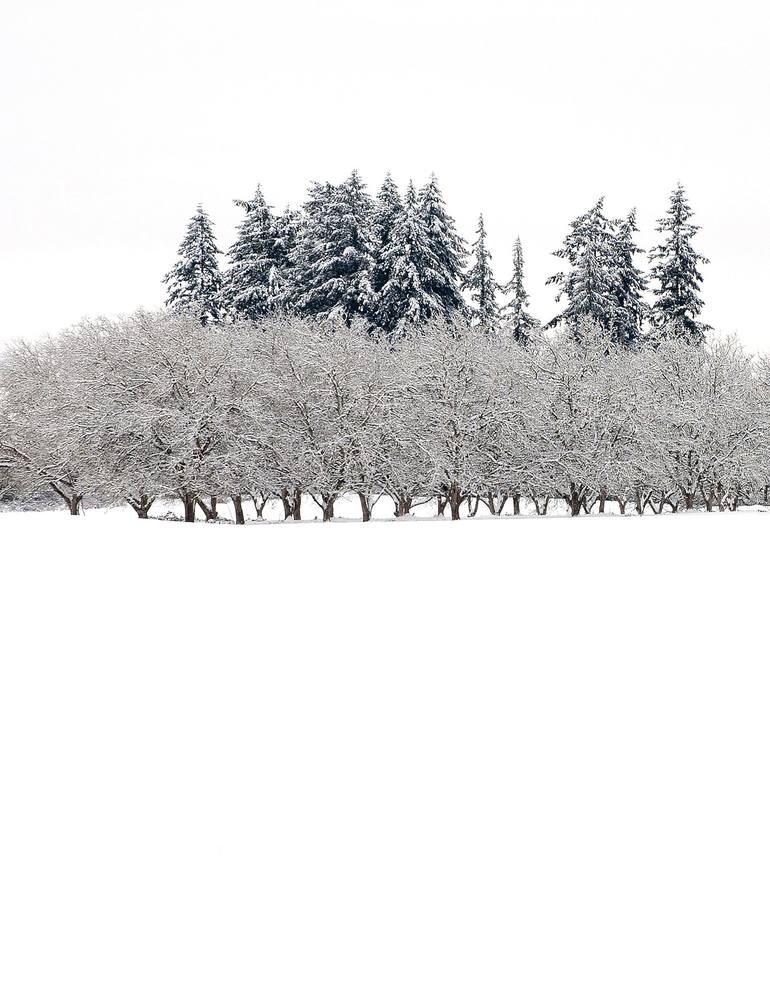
pixel 117 119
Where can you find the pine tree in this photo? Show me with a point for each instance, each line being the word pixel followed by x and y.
pixel 287 229
pixel 590 287
pixel 388 208
pixel 195 283
pixel 480 282
pixel 252 280
pixel 677 304
pixel 518 321
pixel 630 283
pixel 447 250
pixel 335 251
pixel 405 264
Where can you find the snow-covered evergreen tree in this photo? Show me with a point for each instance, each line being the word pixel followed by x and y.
pixel 480 283
pixel 675 269
pixel 335 252
pixel 194 284
pixel 252 281
pixel 518 321
pixel 590 286
pixel 287 229
pixel 405 266
pixel 446 248
pixel 388 207
pixel 629 307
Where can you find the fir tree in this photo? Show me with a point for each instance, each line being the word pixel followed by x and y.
pixel 590 287
pixel 517 319
pixel 194 284
pixel 447 252
pixel 388 208
pixel 630 283
pixel 405 264
pixel 287 229
pixel 335 251
pixel 677 304
pixel 252 280
pixel 480 282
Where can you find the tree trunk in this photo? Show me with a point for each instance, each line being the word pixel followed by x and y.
pixel 602 500
pixel 366 507
pixel 188 500
pixel 208 513
pixel 455 500
pixel 286 504
pixel 442 502
pixel 238 505
pixel 74 504
pixel 141 505
pixel 621 504
pixel 516 503
pixel 296 504
pixel 403 506
pixel 328 506
pixel 213 508
pixel 575 500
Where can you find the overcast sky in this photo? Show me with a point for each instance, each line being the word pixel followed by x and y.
pixel 117 119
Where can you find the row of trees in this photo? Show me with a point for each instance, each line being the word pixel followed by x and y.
pixel 396 262
pixel 157 404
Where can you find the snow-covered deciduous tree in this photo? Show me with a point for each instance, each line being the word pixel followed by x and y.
pixel 676 273
pixel 154 405
pixel 479 282
pixel 194 283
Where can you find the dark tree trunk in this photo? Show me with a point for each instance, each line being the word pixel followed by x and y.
pixel 575 500
pixel 516 503
pixel 188 500
pixel 328 506
pixel 455 500
pixel 602 500
pixel 213 508
pixel 238 506
pixel 403 506
pixel 260 500
pixel 141 505
pixel 286 504
pixel 74 504
pixel 296 504
pixel 442 502
pixel 366 507
pixel 208 513
pixel 621 504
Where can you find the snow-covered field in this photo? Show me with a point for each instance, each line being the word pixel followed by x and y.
pixel 487 760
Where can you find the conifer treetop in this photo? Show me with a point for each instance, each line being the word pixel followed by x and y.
pixel 194 284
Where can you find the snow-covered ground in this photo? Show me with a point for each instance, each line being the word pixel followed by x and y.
pixel 524 758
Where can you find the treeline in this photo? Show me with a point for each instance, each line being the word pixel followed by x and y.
pixel 393 262
pixel 159 405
